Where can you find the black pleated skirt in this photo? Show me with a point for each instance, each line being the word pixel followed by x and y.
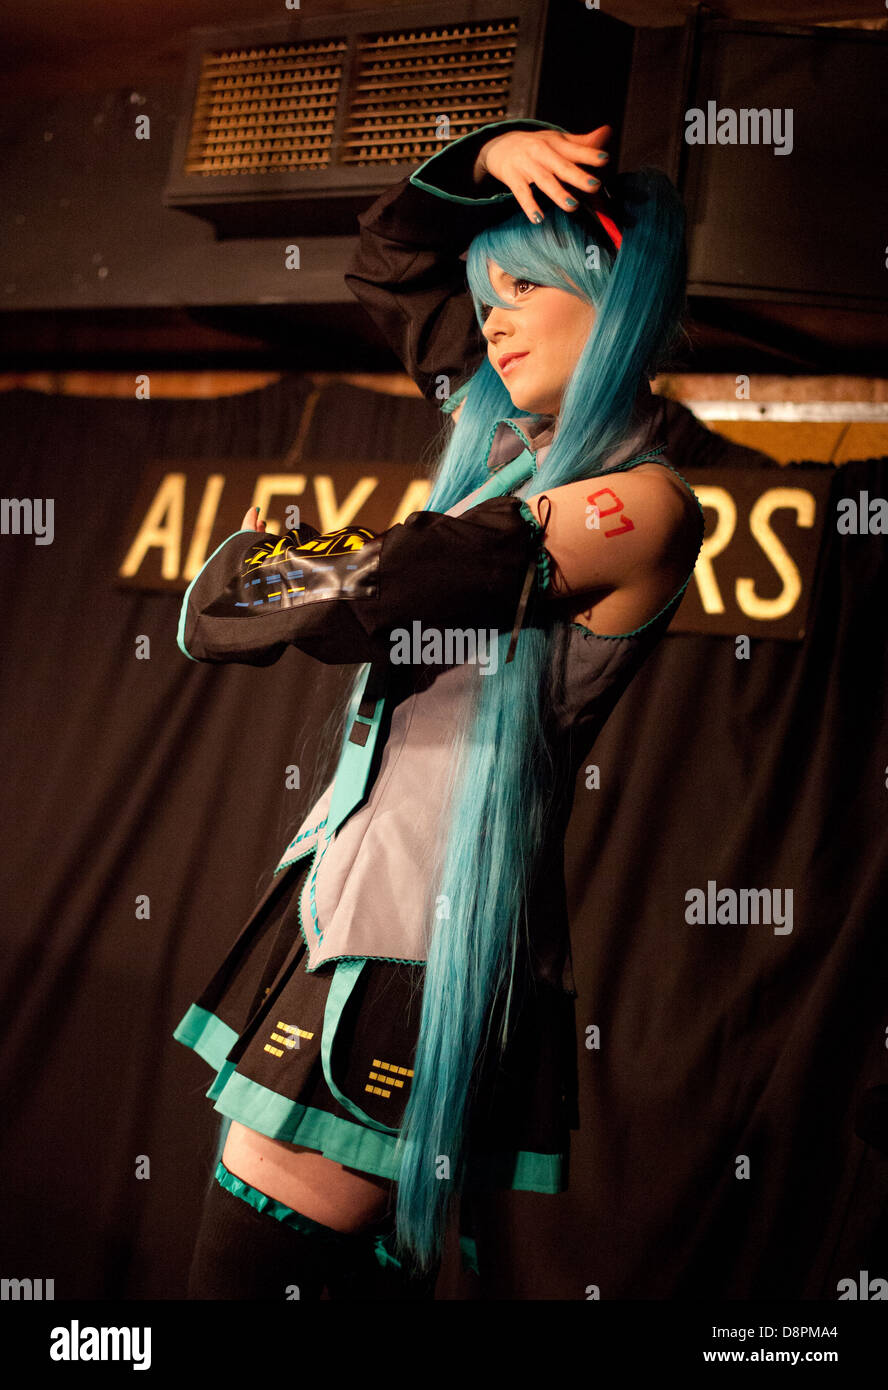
pixel 259 1023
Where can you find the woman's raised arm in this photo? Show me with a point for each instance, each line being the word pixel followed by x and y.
pixel 407 269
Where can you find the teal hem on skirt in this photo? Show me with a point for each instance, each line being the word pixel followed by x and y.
pixel 344 1141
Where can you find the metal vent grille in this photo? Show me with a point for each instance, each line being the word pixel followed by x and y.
pixel 404 80
pixel 266 108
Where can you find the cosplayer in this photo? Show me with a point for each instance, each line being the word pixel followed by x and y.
pixel 394 1026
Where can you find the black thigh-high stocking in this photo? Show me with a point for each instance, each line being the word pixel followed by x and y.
pixel 242 1253
pixel 247 1254
pixel 360 1275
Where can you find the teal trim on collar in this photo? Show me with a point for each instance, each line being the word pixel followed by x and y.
pixel 312 896
pixel 490 125
pixel 515 425
pixel 512 474
pixel 180 635
pixel 285 862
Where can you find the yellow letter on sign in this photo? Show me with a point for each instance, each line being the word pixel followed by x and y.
pixel 802 502
pixel 162 527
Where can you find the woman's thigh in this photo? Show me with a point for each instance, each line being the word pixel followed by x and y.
pixel 327 1192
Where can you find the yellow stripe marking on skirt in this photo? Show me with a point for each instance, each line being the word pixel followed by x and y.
pixel 291 1040
pixel 390 1079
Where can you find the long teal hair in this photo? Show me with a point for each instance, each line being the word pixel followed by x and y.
pixel 502 779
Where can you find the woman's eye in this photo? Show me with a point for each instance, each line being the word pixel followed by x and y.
pixel 485 308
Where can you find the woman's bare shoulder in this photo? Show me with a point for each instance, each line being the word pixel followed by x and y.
pixel 610 530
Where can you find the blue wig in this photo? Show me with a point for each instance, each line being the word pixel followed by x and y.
pixel 502 776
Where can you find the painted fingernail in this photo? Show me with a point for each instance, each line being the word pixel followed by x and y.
pixel 538 217
pixel 594 183
pixel 570 202
pixel 602 158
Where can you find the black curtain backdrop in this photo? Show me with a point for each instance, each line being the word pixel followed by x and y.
pixel 163 777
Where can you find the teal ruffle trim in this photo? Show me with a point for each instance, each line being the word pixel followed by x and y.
pixel 544 563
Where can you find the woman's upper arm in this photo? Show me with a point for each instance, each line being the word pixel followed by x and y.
pixel 419 303
pixel 617 530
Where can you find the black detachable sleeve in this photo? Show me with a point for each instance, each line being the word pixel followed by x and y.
pixel 340 597
pixel 407 271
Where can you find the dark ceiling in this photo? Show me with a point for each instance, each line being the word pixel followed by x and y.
pixel 65 50
pixel 96 44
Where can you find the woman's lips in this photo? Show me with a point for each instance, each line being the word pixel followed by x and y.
pixel 513 362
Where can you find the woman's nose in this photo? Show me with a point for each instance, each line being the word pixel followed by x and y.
pixel 495 323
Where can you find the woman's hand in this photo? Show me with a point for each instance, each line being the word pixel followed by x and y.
pixel 251 521
pixel 519 157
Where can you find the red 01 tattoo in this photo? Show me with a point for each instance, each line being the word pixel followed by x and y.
pixel 609 511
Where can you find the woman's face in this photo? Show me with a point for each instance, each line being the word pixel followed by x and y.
pixel 547 324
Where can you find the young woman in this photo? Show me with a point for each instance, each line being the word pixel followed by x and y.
pixel 394 1026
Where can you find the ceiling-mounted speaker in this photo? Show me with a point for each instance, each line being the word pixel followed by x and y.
pixel 296 126
pixel 775 136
